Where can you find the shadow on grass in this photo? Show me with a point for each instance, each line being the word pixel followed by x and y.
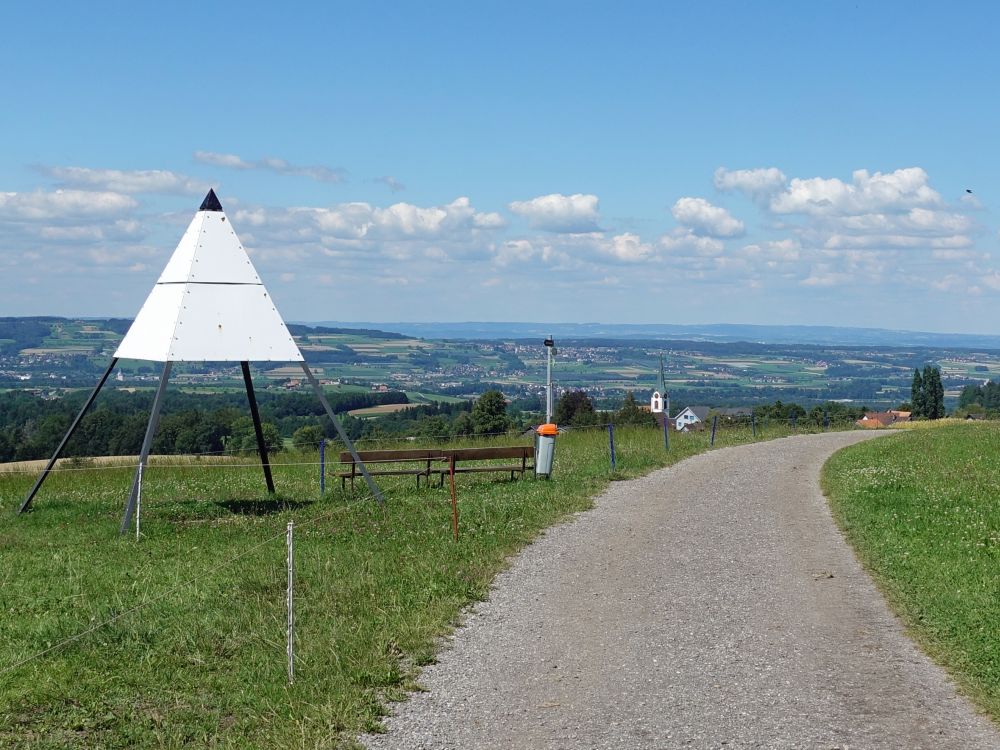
pixel 262 507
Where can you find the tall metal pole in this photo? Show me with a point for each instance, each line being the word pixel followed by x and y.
pixel 69 433
pixel 666 413
pixel 257 428
pixel 147 443
pixel 548 382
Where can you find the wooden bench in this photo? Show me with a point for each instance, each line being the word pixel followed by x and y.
pixel 416 463
pixel 421 462
pixel 520 453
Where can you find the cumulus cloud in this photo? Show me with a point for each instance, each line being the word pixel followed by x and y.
pixel 629 248
pixel 705 219
pixel 58 205
pixel 126 181
pixel 867 193
pixel 774 252
pixel 317 172
pixel 574 214
pixel 229 161
pixel 685 243
pixel 452 230
pixel 756 183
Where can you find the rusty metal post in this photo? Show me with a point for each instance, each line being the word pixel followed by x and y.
pixel 454 497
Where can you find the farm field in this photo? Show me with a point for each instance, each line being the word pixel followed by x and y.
pixel 73 353
pixel 194 650
pixel 922 511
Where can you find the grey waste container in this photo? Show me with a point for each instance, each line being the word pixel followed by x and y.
pixel 545 447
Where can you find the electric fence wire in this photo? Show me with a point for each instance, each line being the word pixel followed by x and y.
pixel 214 569
pixel 159 597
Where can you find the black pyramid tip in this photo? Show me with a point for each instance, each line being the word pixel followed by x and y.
pixel 211 202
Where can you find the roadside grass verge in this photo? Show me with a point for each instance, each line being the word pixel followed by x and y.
pixel 922 510
pixel 195 654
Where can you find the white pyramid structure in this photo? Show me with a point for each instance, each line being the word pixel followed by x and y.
pixel 209 304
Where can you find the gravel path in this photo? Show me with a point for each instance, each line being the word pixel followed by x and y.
pixel 711 604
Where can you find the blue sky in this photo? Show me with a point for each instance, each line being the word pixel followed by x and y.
pixel 689 163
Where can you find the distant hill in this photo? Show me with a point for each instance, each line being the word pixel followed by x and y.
pixel 720 332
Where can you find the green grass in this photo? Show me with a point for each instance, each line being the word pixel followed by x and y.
pixel 203 663
pixel 923 512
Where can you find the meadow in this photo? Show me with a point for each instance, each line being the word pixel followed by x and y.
pixel 923 513
pixel 178 639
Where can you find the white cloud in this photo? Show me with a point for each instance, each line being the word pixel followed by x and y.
pixel 896 191
pixel 574 214
pixel 452 231
pixel 280 166
pixel 705 219
pixel 772 253
pixel 685 243
pixel 756 183
pixel 58 205
pixel 823 277
pixel 230 161
pixel 514 251
pixel 629 248
pixel 126 181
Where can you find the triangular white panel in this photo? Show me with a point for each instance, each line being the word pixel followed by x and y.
pixel 209 305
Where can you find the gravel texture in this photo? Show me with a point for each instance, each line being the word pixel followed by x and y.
pixel 713 604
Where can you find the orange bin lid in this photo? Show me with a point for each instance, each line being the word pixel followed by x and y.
pixel 547 429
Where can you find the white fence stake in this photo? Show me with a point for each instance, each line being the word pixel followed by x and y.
pixel 138 503
pixel 290 544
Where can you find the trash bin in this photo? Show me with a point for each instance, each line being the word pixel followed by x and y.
pixel 545 446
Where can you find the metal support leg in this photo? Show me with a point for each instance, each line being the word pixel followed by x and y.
pixel 261 447
pixel 343 435
pixel 147 443
pixel 69 433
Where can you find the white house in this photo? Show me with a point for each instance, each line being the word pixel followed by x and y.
pixel 690 416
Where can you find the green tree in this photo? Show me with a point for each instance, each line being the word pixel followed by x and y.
pixel 918 396
pixel 435 426
pixel 489 415
pixel 927 393
pixel 933 392
pixel 243 439
pixel 574 407
pixel 307 437
pixel 463 425
pixel 630 413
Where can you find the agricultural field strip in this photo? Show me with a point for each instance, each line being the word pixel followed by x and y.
pixel 725 374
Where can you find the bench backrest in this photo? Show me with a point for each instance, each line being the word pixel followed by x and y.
pixel 460 454
pixel 417 454
pixel 482 454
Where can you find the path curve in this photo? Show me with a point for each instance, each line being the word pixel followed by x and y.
pixel 710 604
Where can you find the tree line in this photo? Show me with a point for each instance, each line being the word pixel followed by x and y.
pixel 31 427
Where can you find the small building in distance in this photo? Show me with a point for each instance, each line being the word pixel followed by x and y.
pixel 690 418
pixel 875 420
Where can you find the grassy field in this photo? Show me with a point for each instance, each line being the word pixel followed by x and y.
pixel 194 652
pixel 923 511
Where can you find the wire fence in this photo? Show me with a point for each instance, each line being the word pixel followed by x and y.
pixel 737 429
